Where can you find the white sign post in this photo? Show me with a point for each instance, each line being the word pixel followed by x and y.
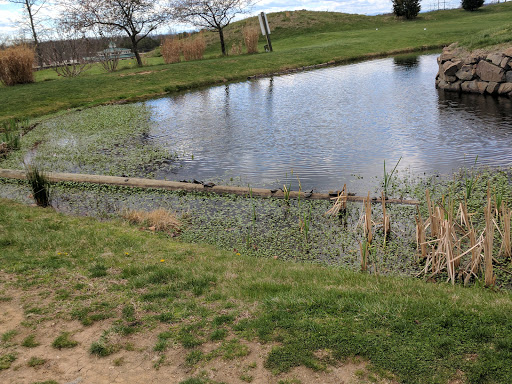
pixel 265 30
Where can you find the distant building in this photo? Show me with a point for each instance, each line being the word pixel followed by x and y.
pixel 112 50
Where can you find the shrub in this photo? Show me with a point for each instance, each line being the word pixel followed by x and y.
pixel 407 8
pixel 472 5
pixel 110 61
pixel 193 48
pixel 251 37
pixel 171 50
pixel 16 65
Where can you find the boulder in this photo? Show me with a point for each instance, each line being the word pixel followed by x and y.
pixel 495 58
pixel 466 72
pixel 482 86
pixel 505 88
pixel 453 87
pixel 508 77
pixel 505 63
pixel 450 68
pixel 490 72
pixel 446 56
pixel 508 52
pixel 474 58
pixel 448 79
pixel 470 86
pixel 492 88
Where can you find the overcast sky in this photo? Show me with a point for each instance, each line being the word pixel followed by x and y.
pixel 10 13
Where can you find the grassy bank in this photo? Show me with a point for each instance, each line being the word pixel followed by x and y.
pixel 134 284
pixel 300 38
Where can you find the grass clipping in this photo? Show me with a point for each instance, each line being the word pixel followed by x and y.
pixel 159 220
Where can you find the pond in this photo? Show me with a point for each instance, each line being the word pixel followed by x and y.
pixel 333 126
pixel 326 127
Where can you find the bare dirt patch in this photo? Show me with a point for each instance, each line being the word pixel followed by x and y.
pixel 135 360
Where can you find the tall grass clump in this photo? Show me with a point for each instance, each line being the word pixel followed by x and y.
pixel 10 135
pixel 39 184
pixel 251 36
pixel 193 48
pixel 16 65
pixel 171 50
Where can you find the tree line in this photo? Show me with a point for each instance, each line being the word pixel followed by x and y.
pixel 135 19
pixel 409 9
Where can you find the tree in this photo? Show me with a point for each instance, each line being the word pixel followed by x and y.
pixel 213 15
pixel 472 5
pixel 407 8
pixel 32 7
pixel 136 18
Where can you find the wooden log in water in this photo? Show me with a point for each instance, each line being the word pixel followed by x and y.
pixel 189 187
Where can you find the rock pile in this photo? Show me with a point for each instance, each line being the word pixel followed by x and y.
pixel 477 72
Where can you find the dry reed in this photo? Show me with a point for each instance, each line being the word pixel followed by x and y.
pixel 157 220
pixel 16 65
pixel 171 50
pixel 506 214
pixel 340 203
pixel 364 255
pixel 488 243
pixel 452 238
pixel 368 219
pixel 421 239
pixel 251 37
pixel 236 49
pixel 193 48
pixel 386 224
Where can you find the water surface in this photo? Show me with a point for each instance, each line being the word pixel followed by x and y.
pixel 333 126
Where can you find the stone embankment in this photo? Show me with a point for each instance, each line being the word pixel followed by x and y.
pixel 476 72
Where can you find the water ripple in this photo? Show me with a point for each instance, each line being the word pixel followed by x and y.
pixel 331 124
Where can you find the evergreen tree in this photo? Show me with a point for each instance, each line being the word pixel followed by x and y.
pixel 407 8
pixel 472 5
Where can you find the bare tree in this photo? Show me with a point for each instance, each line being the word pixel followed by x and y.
pixel 70 55
pixel 136 18
pixel 213 15
pixel 32 8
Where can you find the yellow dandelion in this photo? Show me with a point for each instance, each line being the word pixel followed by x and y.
pixel 127 254
pixel 162 260
pixel 238 253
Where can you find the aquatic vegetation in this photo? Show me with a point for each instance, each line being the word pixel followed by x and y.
pixel 111 140
pixel 388 177
pixel 10 135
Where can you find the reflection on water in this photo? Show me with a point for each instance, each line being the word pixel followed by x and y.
pixel 406 61
pixel 332 126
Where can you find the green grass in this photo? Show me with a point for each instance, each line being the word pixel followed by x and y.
pixel 422 333
pixel 64 341
pixel 304 38
pixel 35 361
